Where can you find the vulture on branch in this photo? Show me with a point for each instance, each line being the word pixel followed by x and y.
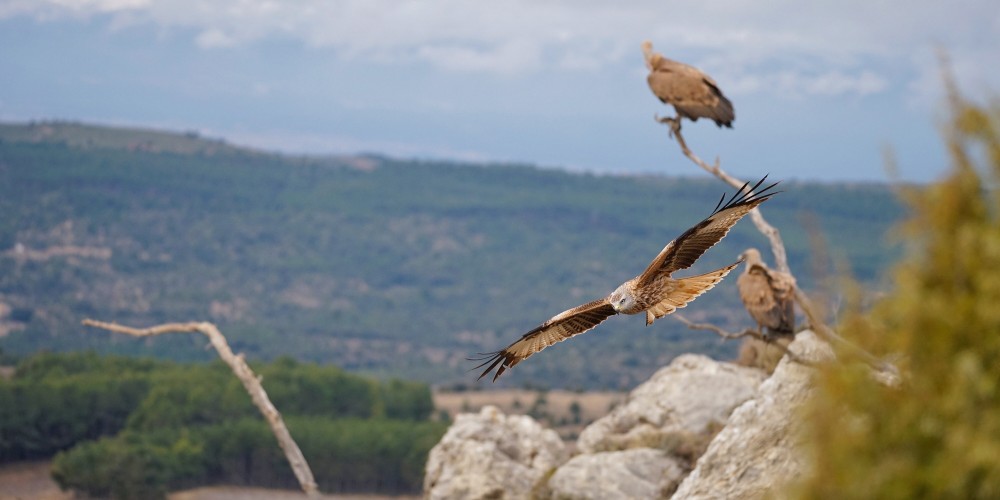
pixel 692 93
pixel 767 294
pixel 653 292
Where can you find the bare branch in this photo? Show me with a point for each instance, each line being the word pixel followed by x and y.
pixel 833 338
pixel 769 231
pixel 708 326
pixel 745 333
pixel 780 257
pixel 250 382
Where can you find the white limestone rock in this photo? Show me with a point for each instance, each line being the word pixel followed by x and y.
pixel 636 473
pixel 492 455
pixel 758 450
pixel 691 397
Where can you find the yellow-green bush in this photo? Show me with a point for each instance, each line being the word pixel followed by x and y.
pixel 937 435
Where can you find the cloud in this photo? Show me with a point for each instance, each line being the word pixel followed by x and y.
pixel 214 38
pixel 50 9
pixel 511 57
pixel 799 84
pixel 824 48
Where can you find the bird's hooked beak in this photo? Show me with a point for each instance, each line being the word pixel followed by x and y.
pixel 617 300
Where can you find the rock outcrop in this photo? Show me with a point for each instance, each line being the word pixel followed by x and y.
pixel 643 448
pixel 492 455
pixel 758 451
pixel 690 398
pixel 635 473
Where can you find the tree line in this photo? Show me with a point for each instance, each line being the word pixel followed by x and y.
pixel 138 428
pixel 280 253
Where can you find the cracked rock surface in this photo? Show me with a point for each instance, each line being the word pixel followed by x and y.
pixel 492 455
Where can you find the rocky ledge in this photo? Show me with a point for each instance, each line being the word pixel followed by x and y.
pixel 698 428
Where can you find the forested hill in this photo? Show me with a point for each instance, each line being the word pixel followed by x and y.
pixel 379 265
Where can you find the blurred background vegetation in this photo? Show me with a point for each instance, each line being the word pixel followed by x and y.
pixel 937 435
pixel 137 428
pixel 381 266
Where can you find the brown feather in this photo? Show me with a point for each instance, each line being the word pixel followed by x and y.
pixel 767 294
pixel 682 252
pixel 692 93
pixel 654 291
pixel 560 327
pixel 687 289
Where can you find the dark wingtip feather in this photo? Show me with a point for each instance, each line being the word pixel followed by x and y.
pixel 743 196
pixel 490 358
pixel 719 204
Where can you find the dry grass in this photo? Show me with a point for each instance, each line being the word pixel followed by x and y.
pixel 29 480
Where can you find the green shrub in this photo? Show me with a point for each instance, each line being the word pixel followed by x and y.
pixel 55 401
pixel 132 465
pixel 345 455
pixel 310 389
pixel 194 395
pixel 404 400
pixel 937 435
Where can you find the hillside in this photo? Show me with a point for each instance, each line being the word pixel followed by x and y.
pixel 384 266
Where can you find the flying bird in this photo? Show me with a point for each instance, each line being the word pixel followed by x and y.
pixel 767 294
pixel 692 93
pixel 654 291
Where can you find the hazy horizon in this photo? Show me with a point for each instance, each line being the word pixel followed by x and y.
pixel 821 92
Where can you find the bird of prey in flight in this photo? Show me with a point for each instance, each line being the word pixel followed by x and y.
pixel 654 291
pixel 767 294
pixel 692 93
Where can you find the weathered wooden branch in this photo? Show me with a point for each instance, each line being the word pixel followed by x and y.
pixel 250 382
pixel 833 337
pixel 745 333
pixel 769 231
pixel 780 257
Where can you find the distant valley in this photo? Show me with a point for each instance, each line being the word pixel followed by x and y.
pixel 379 265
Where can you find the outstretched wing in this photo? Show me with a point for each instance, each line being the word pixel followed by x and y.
pixel 561 327
pixel 689 246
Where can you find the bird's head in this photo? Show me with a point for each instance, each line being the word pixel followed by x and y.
pixel 652 58
pixel 751 256
pixel 621 299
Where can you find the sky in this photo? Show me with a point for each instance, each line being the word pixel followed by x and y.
pixel 822 89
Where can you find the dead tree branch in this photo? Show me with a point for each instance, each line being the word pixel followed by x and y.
pixel 769 231
pixel 745 333
pixel 250 382
pixel 833 337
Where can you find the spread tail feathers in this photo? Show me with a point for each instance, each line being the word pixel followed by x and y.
pixel 686 291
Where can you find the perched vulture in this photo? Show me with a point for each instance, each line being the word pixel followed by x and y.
pixel 767 294
pixel 692 93
pixel 653 292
